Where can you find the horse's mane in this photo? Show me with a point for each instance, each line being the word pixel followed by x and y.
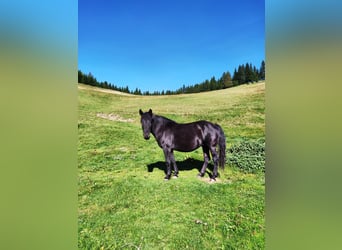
pixel 162 119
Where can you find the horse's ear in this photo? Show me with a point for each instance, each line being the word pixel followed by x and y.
pixel 140 112
pixel 150 111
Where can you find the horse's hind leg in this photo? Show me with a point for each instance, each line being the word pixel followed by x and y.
pixel 206 157
pixel 215 160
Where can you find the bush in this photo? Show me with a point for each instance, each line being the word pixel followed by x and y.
pixel 248 155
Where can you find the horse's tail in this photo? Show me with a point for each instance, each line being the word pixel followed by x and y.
pixel 222 146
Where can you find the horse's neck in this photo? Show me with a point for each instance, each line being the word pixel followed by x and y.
pixel 159 123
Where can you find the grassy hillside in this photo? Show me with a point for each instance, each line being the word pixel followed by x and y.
pixel 124 203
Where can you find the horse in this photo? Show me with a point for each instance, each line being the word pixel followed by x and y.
pixel 187 137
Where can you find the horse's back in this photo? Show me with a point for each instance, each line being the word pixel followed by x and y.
pixel 189 136
pixel 186 136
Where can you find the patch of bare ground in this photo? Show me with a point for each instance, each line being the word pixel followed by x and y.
pixel 113 117
pixel 210 181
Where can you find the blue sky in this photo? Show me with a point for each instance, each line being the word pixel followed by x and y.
pixel 160 45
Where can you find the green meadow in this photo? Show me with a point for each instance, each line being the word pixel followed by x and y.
pixel 123 201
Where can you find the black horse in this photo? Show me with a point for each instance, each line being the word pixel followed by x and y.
pixel 185 138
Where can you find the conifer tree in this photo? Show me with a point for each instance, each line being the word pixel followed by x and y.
pixel 262 71
pixel 212 83
pixel 248 73
pixel 225 81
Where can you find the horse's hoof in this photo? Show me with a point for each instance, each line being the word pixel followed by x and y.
pixel 212 180
pixel 200 175
pixel 166 179
pixel 175 177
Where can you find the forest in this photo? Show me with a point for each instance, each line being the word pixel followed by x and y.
pixel 244 73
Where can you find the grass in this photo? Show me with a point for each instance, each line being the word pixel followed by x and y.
pixel 124 203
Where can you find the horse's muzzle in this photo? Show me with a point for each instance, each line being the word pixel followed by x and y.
pixel 147 137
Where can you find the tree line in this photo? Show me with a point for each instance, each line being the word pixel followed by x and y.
pixel 89 79
pixel 244 73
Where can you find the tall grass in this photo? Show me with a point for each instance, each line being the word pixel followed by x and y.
pixel 124 203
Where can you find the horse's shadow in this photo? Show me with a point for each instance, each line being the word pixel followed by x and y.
pixel 186 165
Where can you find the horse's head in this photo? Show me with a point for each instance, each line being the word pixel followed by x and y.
pixel 146 123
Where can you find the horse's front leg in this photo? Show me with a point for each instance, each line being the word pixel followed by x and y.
pixel 173 161
pixel 167 154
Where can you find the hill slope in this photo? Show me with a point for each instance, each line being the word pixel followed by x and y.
pixel 239 110
pixel 109 91
pixel 124 202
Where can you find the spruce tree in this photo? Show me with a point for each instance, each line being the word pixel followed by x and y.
pixel 248 73
pixel 225 80
pixel 262 71
pixel 241 74
pixel 212 83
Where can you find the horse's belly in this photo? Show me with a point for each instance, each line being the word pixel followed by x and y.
pixel 184 144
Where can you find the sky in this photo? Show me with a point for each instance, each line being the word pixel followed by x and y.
pixel 161 45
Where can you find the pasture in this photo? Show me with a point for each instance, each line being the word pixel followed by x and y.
pixel 123 200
